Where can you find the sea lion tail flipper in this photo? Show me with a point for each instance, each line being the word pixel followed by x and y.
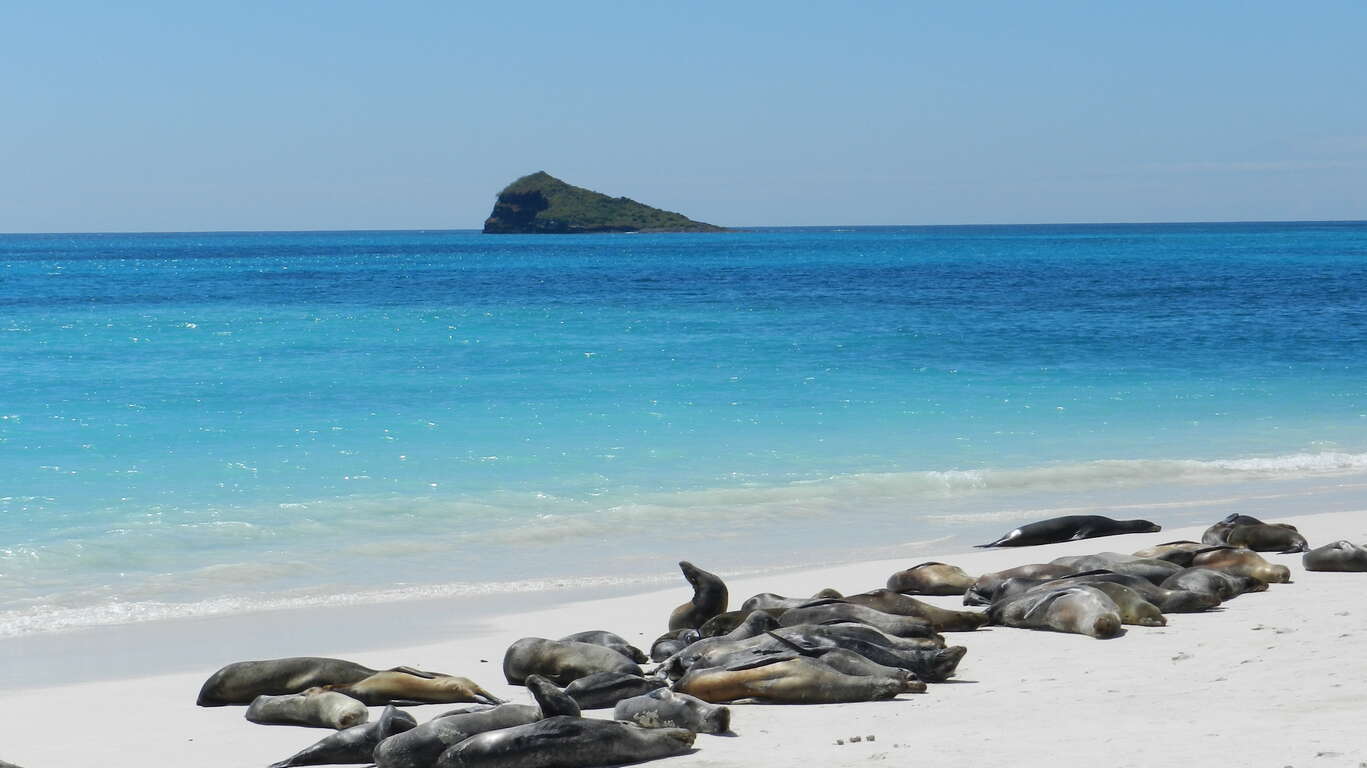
pixel 407 670
pixel 805 651
pixel 484 697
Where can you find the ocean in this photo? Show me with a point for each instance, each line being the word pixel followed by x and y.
pixel 203 424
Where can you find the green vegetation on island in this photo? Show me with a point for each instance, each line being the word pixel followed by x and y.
pixel 543 204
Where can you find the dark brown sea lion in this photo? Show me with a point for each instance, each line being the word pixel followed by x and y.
pixel 421 746
pixel 315 709
pixel 609 640
pixel 825 611
pixel 931 579
pixel 1082 609
pixel 709 598
pixel 799 680
pixel 941 619
pixel 769 601
pixel 1241 562
pixel 1167 600
pixel 352 745
pixel 395 687
pixel 1339 556
pixel 1252 533
pixel 1152 569
pixel 1071 528
pixel 663 708
pixel 672 642
pixel 566 742
pixel 724 623
pixel 242 681
pixel 604 689
pixel 561 662
pixel 549 699
pixel 754 625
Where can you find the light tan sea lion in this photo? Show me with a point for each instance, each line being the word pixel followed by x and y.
pixel 394 687
pixel 1339 556
pixel 316 709
pixel 931 579
pixel 1083 610
pixel 709 598
pixel 1241 562
pixel 1179 552
pixel 1132 607
pixel 798 680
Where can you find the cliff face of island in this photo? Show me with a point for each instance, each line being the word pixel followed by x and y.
pixel 543 204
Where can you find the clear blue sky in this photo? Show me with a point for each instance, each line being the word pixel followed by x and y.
pixel 324 114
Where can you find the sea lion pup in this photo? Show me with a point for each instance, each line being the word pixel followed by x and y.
pixel 566 742
pixel 823 611
pixel 1070 528
pixel 420 747
pixel 1223 585
pixel 768 600
pixel 353 745
pixel 941 619
pixel 1241 562
pixel 312 709
pixel 561 662
pixel 672 642
pixel 985 586
pixel 798 680
pixel 395 687
pixel 931 579
pixel 1339 556
pixel 605 689
pixel 242 681
pixel 609 640
pixel 709 598
pixel 724 623
pixel 1153 570
pixel 1252 533
pixel 1167 600
pixel 1179 552
pixel 1082 609
pixel 663 708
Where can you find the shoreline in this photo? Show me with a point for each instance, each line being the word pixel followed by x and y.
pixel 1280 669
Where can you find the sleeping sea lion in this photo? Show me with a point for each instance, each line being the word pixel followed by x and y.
pixel 242 681
pixel 1241 562
pixel 561 662
pixel 724 623
pixel 1166 600
pixel 1152 569
pixel 941 619
pixel 1251 533
pixel 1226 586
pixel 1081 609
pixel 797 680
pixel 983 591
pixel 352 745
pixel 672 642
pixel 1179 552
pixel 421 746
pixel 394 687
pixel 931 579
pixel 824 611
pixel 1071 528
pixel 709 598
pixel 609 640
pixel 769 601
pixel 663 708
pixel 315 709
pixel 1339 556
pixel 566 742
pixel 604 689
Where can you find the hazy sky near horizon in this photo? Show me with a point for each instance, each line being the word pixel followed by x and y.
pixel 327 114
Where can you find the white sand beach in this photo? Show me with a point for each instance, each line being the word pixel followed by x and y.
pixel 1269 679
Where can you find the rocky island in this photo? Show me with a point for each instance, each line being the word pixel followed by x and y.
pixel 542 204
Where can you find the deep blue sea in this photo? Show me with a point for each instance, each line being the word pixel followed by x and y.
pixel 207 423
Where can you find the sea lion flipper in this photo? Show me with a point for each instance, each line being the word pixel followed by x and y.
pixel 791 644
pixel 407 670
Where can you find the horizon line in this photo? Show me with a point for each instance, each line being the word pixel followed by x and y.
pixel 737 228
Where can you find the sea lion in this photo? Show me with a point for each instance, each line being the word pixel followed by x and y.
pixel 1179 552
pixel 663 708
pixel 1223 585
pixel 1151 569
pixel 769 601
pixel 1339 556
pixel 315 709
pixel 941 619
pixel 566 742
pixel 709 598
pixel 1070 528
pixel 421 746
pixel 561 662
pixel 929 664
pixel 1133 609
pixel 672 642
pixel 242 681
pixel 605 689
pixel 799 680
pixel 1252 533
pixel 931 579
pixel 755 624
pixel 1167 600
pixel 1082 609
pixel 1241 562
pixel 609 640
pixel 395 687
pixel 724 623
pixel 985 586
pixel 823 611
pixel 352 745
pixel 549 699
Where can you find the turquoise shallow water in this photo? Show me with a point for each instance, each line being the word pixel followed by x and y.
pixel 205 423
